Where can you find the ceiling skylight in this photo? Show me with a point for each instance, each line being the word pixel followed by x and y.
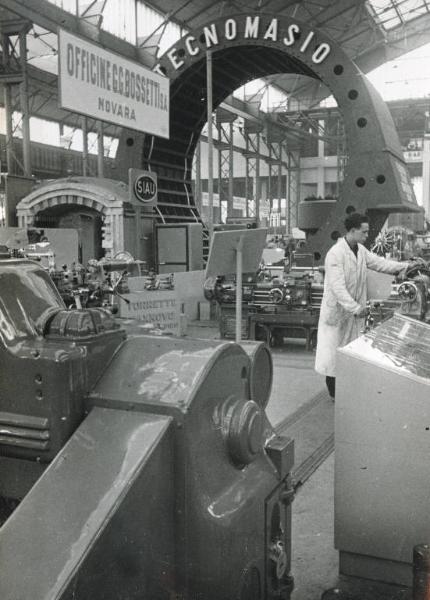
pixel 392 13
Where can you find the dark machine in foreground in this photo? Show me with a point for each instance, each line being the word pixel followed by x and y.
pixel 143 467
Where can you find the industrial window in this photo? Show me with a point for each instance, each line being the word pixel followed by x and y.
pixel 392 13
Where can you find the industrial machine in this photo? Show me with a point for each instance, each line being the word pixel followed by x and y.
pixel 141 467
pixel 410 297
pixel 381 424
pixel 381 453
pixel 414 292
pixel 277 303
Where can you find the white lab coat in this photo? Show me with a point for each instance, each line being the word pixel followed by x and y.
pixel 345 294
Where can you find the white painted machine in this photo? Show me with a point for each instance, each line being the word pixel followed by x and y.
pixel 382 451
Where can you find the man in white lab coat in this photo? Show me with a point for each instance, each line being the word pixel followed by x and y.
pixel 343 306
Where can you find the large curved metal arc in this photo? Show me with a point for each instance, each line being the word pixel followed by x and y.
pixel 376 177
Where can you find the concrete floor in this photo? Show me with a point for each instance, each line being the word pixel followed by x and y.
pixel 294 380
pixel 314 559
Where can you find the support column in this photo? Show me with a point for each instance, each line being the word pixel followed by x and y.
pixel 275 139
pixel 321 168
pixel 10 164
pixel 117 230
pixel 230 205
pixel 341 154
pixel 198 192
pixel 321 142
pixel 252 133
pixel 100 150
pixel 25 218
pixel 7 87
pixel 210 220
pixel 257 186
pixel 279 178
pixel 269 183
pixel 426 174
pixel 283 166
pixel 25 110
pixel 85 172
pixel 293 188
pixel 225 120
pixel 320 181
pixel 221 198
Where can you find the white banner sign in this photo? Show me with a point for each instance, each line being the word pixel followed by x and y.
pixel 103 85
pixel 159 308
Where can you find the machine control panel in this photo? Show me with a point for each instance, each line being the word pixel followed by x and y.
pixel 400 343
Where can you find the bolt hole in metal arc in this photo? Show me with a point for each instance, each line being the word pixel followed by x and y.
pixel 338 69
pixel 380 179
pixel 352 94
pixel 360 182
pixel 362 122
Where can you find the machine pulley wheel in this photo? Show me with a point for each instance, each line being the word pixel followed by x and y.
pixel 244 431
pixel 408 291
pixel 276 295
pixel 261 372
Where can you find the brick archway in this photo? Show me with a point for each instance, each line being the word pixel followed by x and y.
pixel 104 196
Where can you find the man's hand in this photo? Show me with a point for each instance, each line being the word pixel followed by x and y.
pixel 402 275
pixel 361 314
pixel 411 270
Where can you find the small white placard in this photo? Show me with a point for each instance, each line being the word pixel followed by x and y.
pixel 161 309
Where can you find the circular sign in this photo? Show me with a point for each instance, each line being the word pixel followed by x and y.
pixel 145 188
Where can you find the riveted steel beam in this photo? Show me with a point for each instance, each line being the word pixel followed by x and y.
pixel 51 17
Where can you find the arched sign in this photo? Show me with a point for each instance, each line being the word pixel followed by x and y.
pixel 249 46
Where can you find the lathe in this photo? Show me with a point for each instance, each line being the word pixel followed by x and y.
pixel 134 466
pixel 276 303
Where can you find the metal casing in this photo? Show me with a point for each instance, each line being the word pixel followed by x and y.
pixel 220 533
pixel 86 529
pixel 165 476
pixel 382 471
pixel 261 372
pixel 44 377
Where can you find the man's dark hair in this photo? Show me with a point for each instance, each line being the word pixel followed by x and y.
pixel 354 221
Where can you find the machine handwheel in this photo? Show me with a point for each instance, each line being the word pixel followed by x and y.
pixel 123 255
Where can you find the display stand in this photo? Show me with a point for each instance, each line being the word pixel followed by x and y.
pixel 236 252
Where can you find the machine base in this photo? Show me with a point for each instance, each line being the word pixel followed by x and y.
pixel 355 588
pixel 375 569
